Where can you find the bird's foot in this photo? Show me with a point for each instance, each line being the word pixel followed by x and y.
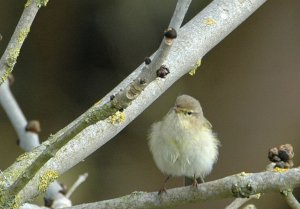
pixel 162 190
pixel 195 184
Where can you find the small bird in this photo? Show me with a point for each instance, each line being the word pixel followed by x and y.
pixel 183 143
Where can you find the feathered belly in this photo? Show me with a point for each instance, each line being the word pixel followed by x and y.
pixel 186 157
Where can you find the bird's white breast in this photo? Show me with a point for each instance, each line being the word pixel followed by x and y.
pixel 182 148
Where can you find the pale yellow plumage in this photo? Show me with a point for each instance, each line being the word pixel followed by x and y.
pixel 183 143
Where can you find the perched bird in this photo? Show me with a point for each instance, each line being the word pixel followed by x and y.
pixel 183 143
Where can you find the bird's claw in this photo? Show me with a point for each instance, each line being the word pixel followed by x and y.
pixel 195 184
pixel 162 190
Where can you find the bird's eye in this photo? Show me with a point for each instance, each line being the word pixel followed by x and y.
pixel 189 113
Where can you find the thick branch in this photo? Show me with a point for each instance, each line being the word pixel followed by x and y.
pixel 194 40
pixel 149 71
pixel 95 114
pixel 11 53
pixel 239 185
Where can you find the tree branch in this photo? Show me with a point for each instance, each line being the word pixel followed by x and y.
pixel 242 185
pixel 238 202
pixel 239 185
pixel 291 199
pixel 27 140
pixel 11 53
pixel 98 125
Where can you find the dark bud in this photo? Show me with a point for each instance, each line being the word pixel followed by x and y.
pixel 142 81
pixel 170 33
pixel 288 148
pixel 283 155
pixel 162 72
pixel 33 126
pixel 112 97
pixel 47 202
pixel 273 155
pixel 147 60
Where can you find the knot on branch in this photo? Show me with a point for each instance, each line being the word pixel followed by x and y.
pixel 242 191
pixel 136 88
pixel 162 72
pixel 123 99
pixel 147 60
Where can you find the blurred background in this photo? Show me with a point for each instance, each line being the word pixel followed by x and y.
pixel 248 86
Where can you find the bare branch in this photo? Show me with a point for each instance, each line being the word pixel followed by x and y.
pixel 151 71
pixel 79 181
pixel 238 202
pixel 27 140
pixel 96 126
pixel 10 55
pixel 94 115
pixel 239 185
pixel 290 199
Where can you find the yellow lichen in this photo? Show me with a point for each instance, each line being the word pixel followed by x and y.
pixel 243 174
pixel 12 56
pixel 209 21
pixel 23 34
pixel 5 74
pixel 257 196
pixel 27 3
pixel 280 170
pixel 118 117
pixel 46 179
pixel 16 203
pixel 12 202
pixel 195 67
pixel 22 157
pixel 40 3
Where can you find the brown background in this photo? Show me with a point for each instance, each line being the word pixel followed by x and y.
pixel 79 50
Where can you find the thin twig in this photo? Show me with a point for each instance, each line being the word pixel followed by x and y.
pixel 27 140
pixel 250 206
pixel 238 202
pixel 291 199
pixel 77 183
pixel 194 40
pixel 11 53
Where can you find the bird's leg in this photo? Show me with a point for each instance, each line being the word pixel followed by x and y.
pixel 202 179
pixel 195 182
pixel 163 188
